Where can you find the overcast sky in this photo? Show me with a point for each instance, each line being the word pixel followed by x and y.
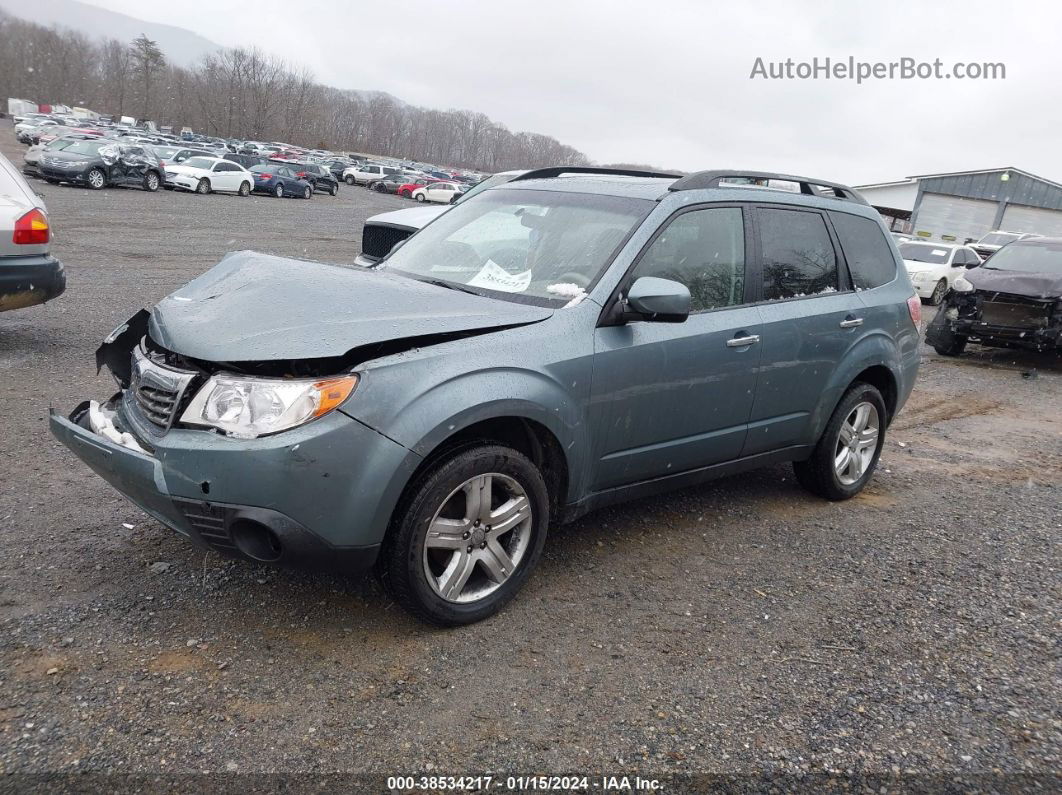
pixel 667 81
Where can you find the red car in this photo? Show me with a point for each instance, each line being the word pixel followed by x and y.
pixel 406 189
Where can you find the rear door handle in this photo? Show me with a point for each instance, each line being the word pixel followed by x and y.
pixel 851 322
pixel 741 342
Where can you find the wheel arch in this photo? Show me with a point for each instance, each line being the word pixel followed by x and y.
pixel 875 360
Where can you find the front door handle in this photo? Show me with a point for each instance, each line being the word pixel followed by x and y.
pixel 741 342
pixel 851 322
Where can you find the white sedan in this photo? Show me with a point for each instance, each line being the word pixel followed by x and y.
pixel 210 175
pixel 934 266
pixel 441 192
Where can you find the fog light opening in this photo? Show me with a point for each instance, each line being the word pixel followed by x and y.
pixel 255 540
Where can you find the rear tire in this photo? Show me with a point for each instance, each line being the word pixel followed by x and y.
pixel 843 462
pixel 418 570
pixel 203 187
pixel 349 179
pixel 245 189
pixel 151 182
pixel 278 191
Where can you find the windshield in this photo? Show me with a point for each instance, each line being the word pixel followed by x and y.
pixel 198 162
pixel 924 252
pixel 166 152
pixel 1029 257
pixel 86 147
pixel 998 239
pixel 540 247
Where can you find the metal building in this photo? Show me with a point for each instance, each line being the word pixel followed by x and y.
pixel 964 205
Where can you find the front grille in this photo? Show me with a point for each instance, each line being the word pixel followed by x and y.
pixel 157 391
pixel 377 240
pixel 1014 312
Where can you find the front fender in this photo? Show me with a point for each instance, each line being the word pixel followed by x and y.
pixel 427 419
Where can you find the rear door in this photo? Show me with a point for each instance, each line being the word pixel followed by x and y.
pixel 674 397
pixel 809 314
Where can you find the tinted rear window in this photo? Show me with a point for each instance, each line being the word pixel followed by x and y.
pixel 798 257
pixel 869 255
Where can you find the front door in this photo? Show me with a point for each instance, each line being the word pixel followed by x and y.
pixel 671 397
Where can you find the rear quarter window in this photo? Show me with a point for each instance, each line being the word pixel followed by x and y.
pixel 868 253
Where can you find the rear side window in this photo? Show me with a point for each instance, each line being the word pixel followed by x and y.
pixel 798 256
pixel 868 254
pixel 704 250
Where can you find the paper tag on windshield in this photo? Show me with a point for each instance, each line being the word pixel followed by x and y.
pixel 495 277
pixel 940 252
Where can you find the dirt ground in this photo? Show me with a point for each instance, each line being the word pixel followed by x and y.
pixel 743 627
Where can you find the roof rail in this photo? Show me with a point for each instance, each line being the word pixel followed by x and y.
pixel 556 171
pixel 713 179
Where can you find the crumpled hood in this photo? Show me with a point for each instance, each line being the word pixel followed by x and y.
pixel 258 307
pixel 1033 285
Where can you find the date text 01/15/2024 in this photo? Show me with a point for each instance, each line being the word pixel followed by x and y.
pixel 523 783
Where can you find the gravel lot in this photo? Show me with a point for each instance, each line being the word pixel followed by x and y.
pixel 743 627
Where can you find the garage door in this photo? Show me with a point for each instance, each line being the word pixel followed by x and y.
pixel 953 219
pixel 1019 218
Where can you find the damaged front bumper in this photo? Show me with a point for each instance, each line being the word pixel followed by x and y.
pixel 962 317
pixel 315 497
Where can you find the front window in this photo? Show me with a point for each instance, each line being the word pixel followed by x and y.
pixel 542 247
pixel 998 239
pixel 924 252
pixel 198 162
pixel 1030 257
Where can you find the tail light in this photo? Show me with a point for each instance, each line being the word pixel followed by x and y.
pixel 32 229
pixel 914 306
pixel 265 176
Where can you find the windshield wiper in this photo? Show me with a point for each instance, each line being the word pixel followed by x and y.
pixel 451 286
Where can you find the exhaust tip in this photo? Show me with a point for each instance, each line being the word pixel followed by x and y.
pixel 255 540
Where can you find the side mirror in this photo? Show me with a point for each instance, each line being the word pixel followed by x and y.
pixel 657 300
pixel 972 265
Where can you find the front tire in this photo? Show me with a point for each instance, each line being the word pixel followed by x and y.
pixel 96 179
pixel 939 292
pixel 420 197
pixel 334 190
pixel 203 187
pixel 307 192
pixel 349 179
pixel 466 535
pixel 848 450
pixel 278 191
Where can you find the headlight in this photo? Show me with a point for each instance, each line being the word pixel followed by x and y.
pixel 960 285
pixel 919 276
pixel 247 408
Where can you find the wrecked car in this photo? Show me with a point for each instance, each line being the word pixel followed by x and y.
pixel 1012 300
pixel 29 275
pixel 99 163
pixel 571 339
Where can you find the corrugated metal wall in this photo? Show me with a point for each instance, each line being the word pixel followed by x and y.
pixel 1019 189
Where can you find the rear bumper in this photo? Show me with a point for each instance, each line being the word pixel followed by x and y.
pixel 28 281
pixel 317 497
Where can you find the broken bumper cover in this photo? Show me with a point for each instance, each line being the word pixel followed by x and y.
pixel 293 499
pixel 28 281
pixel 943 331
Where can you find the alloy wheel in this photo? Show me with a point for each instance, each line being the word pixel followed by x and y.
pixel 857 442
pixel 477 538
pixel 96 179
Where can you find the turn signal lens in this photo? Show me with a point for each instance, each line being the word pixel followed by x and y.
pixel 333 392
pixel 32 229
